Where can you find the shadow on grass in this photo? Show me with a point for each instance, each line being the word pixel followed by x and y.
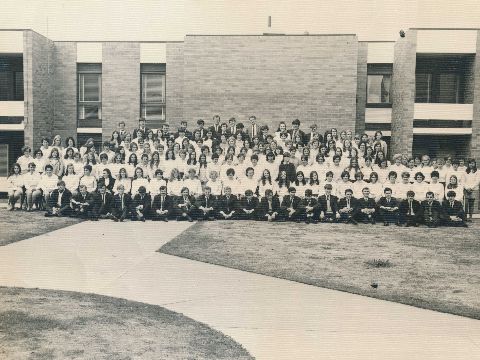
pixel 436 269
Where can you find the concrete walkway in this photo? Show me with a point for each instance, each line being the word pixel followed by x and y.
pixel 272 318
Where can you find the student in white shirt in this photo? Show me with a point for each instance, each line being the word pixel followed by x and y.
pixel 138 180
pixel 453 184
pixel 193 183
pixel 472 181
pixel 15 186
pixel 436 187
pixel 71 179
pixel 31 181
pixel 420 186
pixel 48 182
pixel 88 179
pixel 25 159
pixel 404 186
pixel 155 183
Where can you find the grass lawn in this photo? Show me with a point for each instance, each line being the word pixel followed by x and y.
pixel 45 324
pixel 20 225
pixel 437 269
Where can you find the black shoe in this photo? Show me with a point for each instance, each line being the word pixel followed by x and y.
pixel 386 223
pixel 353 222
pixel 165 219
pixel 189 219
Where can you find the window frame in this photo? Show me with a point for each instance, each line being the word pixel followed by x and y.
pixel 7 158
pixel 82 70
pixel 153 69
pixel 378 69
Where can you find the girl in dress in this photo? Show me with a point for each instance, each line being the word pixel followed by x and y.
pixel 138 180
pixel 15 186
pixel 71 179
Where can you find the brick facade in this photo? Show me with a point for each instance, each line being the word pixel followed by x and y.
pixel 120 85
pixel 475 140
pixel 65 111
pixel 403 93
pixel 361 87
pixel 174 84
pixel 39 68
pixel 277 78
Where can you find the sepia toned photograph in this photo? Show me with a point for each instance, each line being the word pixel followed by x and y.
pixel 216 179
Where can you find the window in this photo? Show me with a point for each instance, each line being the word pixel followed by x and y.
pixel 11 78
pixel 4 160
pixel 379 84
pixel 18 85
pixel 152 82
pixel 438 88
pixel 89 94
pixel 378 89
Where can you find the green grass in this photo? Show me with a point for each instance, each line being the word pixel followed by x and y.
pixel 45 324
pixel 20 225
pixel 437 269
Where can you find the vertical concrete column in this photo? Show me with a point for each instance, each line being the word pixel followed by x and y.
pixel 174 86
pixel 475 141
pixel 403 93
pixel 361 87
pixel 120 86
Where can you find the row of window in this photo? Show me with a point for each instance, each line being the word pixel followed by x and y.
pixel 152 94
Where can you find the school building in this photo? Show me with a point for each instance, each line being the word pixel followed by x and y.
pixel 422 91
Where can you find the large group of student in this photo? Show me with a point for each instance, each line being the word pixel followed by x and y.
pixel 234 171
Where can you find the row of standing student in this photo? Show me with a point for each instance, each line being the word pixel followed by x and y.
pixel 327 208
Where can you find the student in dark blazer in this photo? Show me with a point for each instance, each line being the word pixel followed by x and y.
pixel 295 130
pixel 185 207
pixel 453 211
pixel 108 180
pixel 311 135
pixel 59 201
pixel 82 204
pixel 432 210
pixel 103 203
pixel 309 208
pixel 122 204
pixel 367 209
pixel 411 212
pixel 269 207
pixel 247 208
pixel 347 208
pixel 388 208
pixel 207 205
pixel 162 205
pixel 290 206
pixel 328 205
pixel 142 129
pixel 288 167
pixel 141 204
pixel 227 204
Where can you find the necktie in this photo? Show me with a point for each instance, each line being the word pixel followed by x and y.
pixel 60 198
pixel 161 202
pixel 123 204
pixel 329 207
pixel 103 199
pixel 410 205
pixel 269 205
pixel 348 203
pixel 206 201
pixel 254 130
pixel 451 204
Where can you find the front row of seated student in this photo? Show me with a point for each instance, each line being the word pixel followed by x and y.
pixel 327 208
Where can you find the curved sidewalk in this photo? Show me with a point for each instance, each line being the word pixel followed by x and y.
pixel 272 318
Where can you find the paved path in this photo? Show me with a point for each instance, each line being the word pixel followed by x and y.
pixel 272 318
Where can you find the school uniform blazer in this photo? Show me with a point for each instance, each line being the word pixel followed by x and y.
pixel 305 202
pixel 209 201
pixel 393 202
pixel 342 203
pixel 83 199
pixel 416 206
pixel 289 202
pixel 249 205
pixel 138 130
pixel 299 132
pixel 322 203
pixel 456 210
pixel 308 138
pixel 110 186
pixel 146 202
pixel 289 169
pixel 436 208
pixel 263 205
pixel 366 204
pixel 181 201
pixel 227 205
pixel 103 207
pixel 66 197
pixel 158 205
pixel 117 202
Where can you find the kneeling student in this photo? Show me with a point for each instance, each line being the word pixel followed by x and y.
pixel 227 204
pixel 388 208
pixel 207 205
pixel 162 205
pixel 122 204
pixel 453 210
pixel 269 207
pixel 141 204
pixel 59 201
pixel 248 206
pixel 309 208
pixel 347 208
pixel 290 207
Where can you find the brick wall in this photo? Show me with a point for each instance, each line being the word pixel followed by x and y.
pixel 475 141
pixel 39 71
pixel 174 84
pixel 361 87
pixel 120 85
pixel 313 78
pixel 65 87
pixel 403 93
